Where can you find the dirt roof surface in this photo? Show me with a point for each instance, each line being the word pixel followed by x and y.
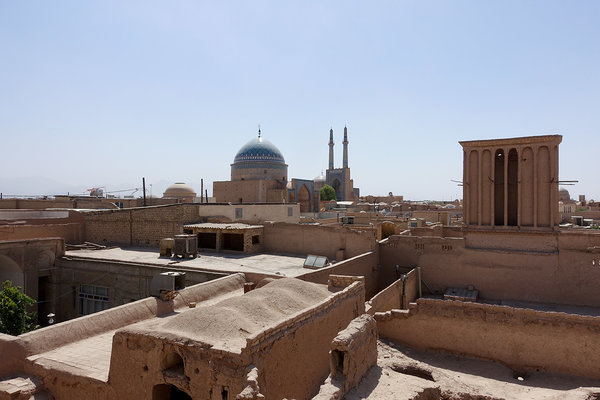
pixel 404 373
pixel 227 324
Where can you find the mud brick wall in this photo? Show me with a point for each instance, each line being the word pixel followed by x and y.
pixel 523 339
pixel 138 227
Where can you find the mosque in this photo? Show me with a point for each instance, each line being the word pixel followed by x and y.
pixel 259 174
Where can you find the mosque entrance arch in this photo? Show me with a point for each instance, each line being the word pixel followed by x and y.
pixel 10 271
pixel 337 186
pixel 304 199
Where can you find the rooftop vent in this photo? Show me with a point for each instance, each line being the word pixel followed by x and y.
pixel 165 285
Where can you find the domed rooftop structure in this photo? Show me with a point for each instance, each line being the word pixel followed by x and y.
pixel 320 178
pixel 259 149
pixel 319 181
pixel 563 195
pixel 181 191
pixel 259 159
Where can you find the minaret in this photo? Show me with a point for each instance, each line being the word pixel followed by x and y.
pixel 331 148
pixel 345 147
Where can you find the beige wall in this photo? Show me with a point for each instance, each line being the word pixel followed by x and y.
pixel 523 339
pixel 138 226
pixel 362 265
pixel 20 224
pixel 13 355
pixel 72 233
pixel 433 216
pixel 353 353
pixel 397 295
pixel 557 268
pixel 146 226
pixel 253 212
pixel 126 282
pixel 318 240
pixel 295 364
pixel 250 191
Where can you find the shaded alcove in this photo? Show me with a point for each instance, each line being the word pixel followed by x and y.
pixel 169 392
pixel 233 241
pixel 499 187
pixel 513 187
pixel 304 199
pixel 10 271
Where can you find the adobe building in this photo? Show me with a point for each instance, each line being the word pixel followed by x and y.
pixel 235 237
pixel 307 192
pixel 511 183
pixel 531 286
pixel 339 178
pixel 259 174
pixel 212 342
pixel 511 248
pixel 180 192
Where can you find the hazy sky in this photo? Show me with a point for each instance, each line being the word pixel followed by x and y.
pixel 101 93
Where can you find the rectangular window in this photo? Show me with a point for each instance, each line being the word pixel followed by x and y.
pixel 255 239
pixel 290 211
pixel 92 299
pixel 238 213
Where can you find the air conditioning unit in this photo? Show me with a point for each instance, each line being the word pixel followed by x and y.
pixel 185 246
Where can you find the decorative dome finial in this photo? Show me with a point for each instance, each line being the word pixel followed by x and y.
pixel 259 130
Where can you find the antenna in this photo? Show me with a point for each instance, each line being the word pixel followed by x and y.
pixel 568 183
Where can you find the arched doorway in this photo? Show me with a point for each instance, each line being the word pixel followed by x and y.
pixel 169 392
pixel 304 199
pixel 337 186
pixel 10 271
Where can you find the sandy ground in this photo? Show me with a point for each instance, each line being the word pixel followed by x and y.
pixel 403 373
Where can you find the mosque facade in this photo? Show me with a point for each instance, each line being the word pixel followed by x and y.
pixel 339 178
pixel 259 174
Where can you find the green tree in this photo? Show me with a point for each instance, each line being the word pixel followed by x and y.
pixel 327 193
pixel 14 318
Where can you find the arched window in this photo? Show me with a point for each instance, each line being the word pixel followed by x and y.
pixel 499 187
pixel 513 187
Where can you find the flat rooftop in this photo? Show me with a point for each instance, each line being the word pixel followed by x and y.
pixel 227 324
pixel 90 356
pixel 231 225
pixel 271 264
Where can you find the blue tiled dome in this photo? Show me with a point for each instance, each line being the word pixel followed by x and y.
pixel 259 149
